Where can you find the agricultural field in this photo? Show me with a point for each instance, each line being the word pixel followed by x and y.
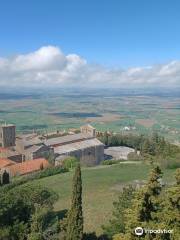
pixel 101 186
pixel 119 111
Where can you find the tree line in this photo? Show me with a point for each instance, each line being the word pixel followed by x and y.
pixel 153 148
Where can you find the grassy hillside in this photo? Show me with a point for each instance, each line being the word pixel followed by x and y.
pixel 100 188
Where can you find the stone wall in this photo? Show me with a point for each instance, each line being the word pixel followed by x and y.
pixel 91 156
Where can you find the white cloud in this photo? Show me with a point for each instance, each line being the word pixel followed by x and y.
pixel 46 58
pixel 48 66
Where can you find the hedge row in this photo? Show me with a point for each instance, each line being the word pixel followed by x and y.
pixel 37 175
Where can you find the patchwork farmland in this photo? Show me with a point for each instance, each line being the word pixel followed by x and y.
pixel 114 111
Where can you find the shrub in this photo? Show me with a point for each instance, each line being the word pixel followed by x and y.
pixel 173 164
pixel 111 162
pixel 70 162
pixel 50 172
pixel 5 177
pixel 37 175
pixel 18 206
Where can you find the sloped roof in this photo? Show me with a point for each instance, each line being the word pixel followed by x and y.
pixel 67 139
pixel 88 125
pixel 29 139
pixel 71 147
pixel 36 148
pixel 28 166
pixel 4 162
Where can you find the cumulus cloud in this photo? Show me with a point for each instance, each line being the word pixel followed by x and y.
pixel 49 66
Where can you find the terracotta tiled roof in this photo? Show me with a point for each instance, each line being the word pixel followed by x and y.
pixel 28 166
pixel 4 162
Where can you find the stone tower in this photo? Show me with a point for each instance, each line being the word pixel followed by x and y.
pixel 7 135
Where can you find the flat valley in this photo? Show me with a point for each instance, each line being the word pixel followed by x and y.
pixel 136 111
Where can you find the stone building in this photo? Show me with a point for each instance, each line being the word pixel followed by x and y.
pixel 25 141
pixel 60 141
pixel 26 167
pixel 31 146
pixel 7 135
pixel 89 151
pixel 10 154
pixel 83 145
pixel 89 130
pixel 38 151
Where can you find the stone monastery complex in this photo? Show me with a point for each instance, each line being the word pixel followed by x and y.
pixel 26 153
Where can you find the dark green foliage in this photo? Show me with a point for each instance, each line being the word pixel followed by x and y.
pixel 152 208
pixel 171 208
pixel 105 138
pixel 93 236
pixel 51 158
pixel 16 232
pixel 41 174
pixel 177 176
pixel 160 151
pixel 50 172
pixel 152 148
pixel 5 177
pixel 17 207
pixel 35 236
pixel 111 162
pixel 70 162
pixel 130 140
pixel 146 205
pixel 171 163
pixel 39 222
pixel 155 181
pixel 74 229
pixel 117 223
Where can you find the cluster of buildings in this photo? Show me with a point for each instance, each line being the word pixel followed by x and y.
pixel 25 153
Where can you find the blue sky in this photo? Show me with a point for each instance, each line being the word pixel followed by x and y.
pixel 116 43
pixel 122 33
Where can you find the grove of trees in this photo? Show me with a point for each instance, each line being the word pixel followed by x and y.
pixel 151 207
pixel 152 148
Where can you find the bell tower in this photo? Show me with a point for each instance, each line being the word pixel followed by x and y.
pixel 7 135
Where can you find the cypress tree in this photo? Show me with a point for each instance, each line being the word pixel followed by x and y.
pixel 75 215
pixel 117 223
pixel 177 176
pixel 5 177
pixel 105 138
pixel 146 205
pixel 170 215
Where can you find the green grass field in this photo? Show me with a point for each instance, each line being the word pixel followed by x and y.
pixel 101 186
